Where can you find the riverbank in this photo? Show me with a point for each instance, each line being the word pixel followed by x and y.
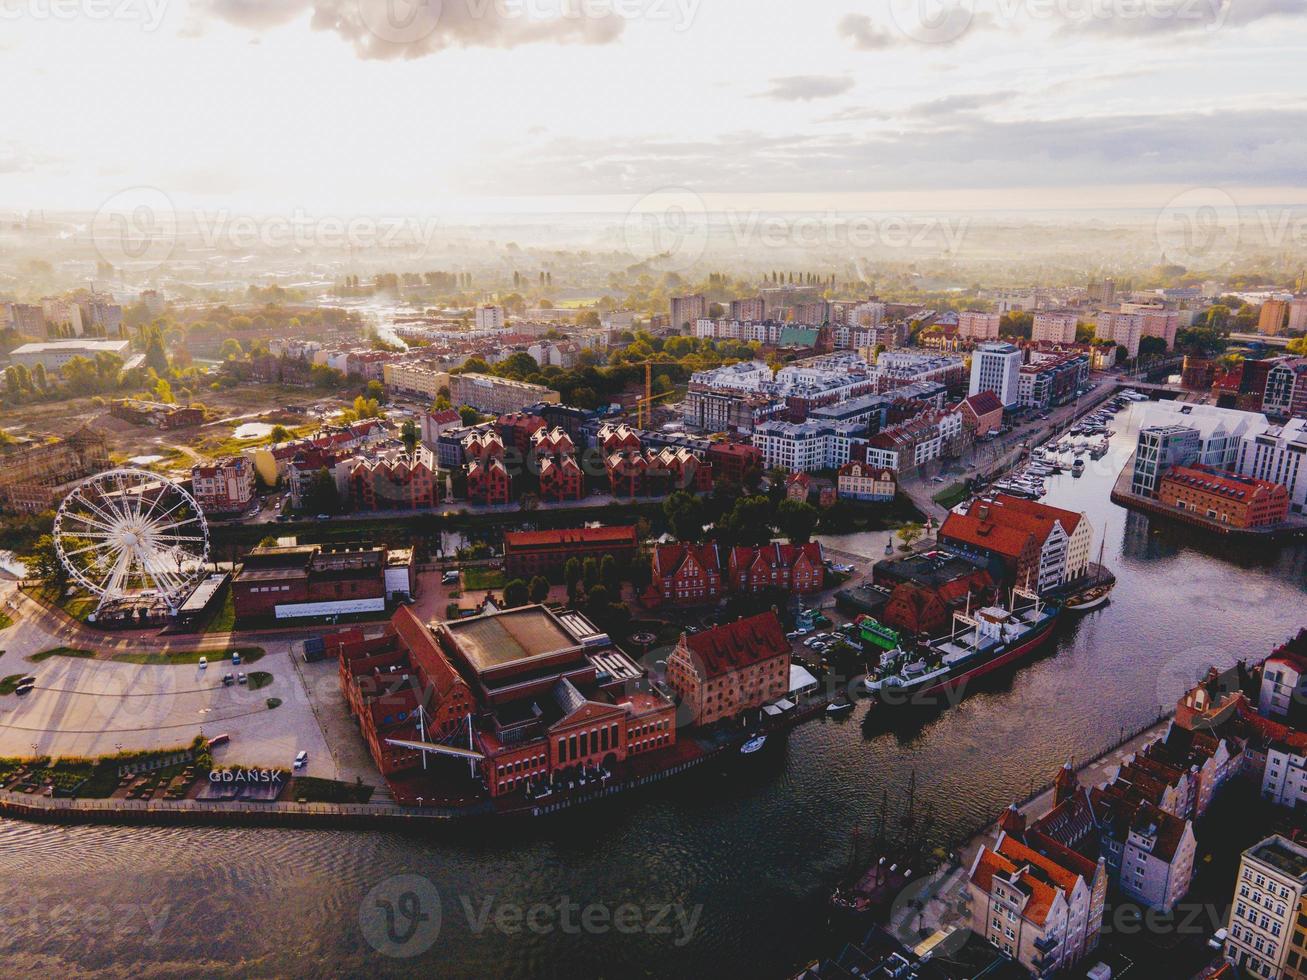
pixel 1124 497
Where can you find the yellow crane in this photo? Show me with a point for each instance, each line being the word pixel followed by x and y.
pixel 644 407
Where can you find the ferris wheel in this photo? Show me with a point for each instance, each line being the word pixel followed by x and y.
pixel 131 534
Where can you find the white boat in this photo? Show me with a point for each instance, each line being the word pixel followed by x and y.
pixel 839 708
pixel 753 745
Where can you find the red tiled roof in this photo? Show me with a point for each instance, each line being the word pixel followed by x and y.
pixel 571 535
pixel 1007 541
pixel 424 650
pixel 1029 515
pixel 668 558
pixel 983 403
pixel 734 646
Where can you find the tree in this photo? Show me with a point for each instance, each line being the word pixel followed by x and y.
pixel 410 436
pixel 608 574
pixel 1298 346
pixel 516 593
pixel 572 576
pixel 597 601
pixel 231 350
pixel 279 433
pixel 1152 346
pixel 909 534
pixel 43 562
pixel 750 521
pixel 685 515
pixel 590 574
pixel 469 415
pixel 268 541
pixel 322 497
pixel 797 519
pixel 539 589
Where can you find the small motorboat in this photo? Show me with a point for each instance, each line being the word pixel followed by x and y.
pixel 839 708
pixel 753 745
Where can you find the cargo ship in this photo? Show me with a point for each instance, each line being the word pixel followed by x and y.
pixel 980 642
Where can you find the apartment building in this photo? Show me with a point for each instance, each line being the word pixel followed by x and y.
pixel 498 396
pixel 1123 329
pixel 490 317
pixel 1285 395
pixel 1278 454
pixel 978 326
pixel 996 367
pixel 1271 319
pixel 687 310
pixel 414 378
pixel 1263 930
pixel 1054 327
pixel 226 487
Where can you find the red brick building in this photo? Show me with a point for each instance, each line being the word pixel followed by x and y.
pixel 488 481
pixel 798 486
pixel 982 412
pixel 310 580
pixel 551 442
pixel 1011 553
pixel 635 473
pixel 528 553
pixel 386 678
pixel 1239 501
pixel 732 460
pixel 727 670
pixel 398 481
pixel 617 438
pixel 799 569
pixel 561 478
pixel 686 574
pixel 517 429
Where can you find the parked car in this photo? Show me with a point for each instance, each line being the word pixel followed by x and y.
pixel 450 577
pixel 217 740
pixel 228 680
pixel 241 678
pixel 204 662
pixel 235 657
pixel 301 759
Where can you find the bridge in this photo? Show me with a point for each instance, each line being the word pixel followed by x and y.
pixel 1257 338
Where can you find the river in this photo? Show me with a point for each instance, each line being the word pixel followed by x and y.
pixel 745 854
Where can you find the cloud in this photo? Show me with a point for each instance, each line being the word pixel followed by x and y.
pixel 862 33
pixel 1263 148
pixel 953 104
pixel 1124 18
pixel 805 88
pixel 394 29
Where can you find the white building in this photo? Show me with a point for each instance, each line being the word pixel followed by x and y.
pixel 56 353
pixel 1264 911
pixel 1055 328
pixel 1221 431
pixel 1278 454
pixel 996 367
pixel 802 447
pixel 490 318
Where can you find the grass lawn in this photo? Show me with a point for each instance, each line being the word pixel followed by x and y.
pixel 258 679
pixel 5 622
pixel 952 496
pixel 480 579
pixel 311 789
pixel 9 684
pixel 248 655
pixel 224 617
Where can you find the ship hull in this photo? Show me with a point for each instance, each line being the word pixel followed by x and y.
pixel 1023 648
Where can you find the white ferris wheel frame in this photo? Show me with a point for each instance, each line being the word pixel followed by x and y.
pixel 142 536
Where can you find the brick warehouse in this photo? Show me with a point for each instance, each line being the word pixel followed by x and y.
pixel 528 553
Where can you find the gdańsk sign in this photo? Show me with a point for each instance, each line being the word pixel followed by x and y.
pixel 246 776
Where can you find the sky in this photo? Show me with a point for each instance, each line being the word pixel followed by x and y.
pixel 436 106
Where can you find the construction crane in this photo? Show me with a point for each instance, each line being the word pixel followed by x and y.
pixel 644 407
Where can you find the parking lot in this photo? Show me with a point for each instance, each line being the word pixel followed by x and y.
pixel 83 707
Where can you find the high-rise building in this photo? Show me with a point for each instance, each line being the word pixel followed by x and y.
pixel 1122 329
pixel 490 318
pixel 687 309
pixel 1270 323
pixel 1055 328
pixel 978 326
pixel 1264 938
pixel 748 309
pixel 1277 454
pixel 996 367
pixel 1298 314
